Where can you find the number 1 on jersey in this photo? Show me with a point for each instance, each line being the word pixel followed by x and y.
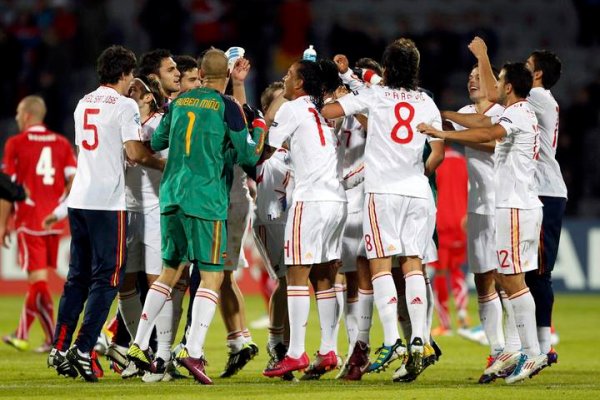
pixel 188 132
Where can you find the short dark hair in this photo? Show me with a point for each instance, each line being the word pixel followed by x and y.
pixel 150 61
pixel 266 98
pixel 519 77
pixel 550 65
pixel 319 77
pixel 185 63
pixel 401 64
pixel 114 62
pixel 495 70
pixel 369 63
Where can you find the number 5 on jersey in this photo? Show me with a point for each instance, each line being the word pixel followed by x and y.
pixel 87 125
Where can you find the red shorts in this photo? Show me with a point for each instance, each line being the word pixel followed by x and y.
pixel 37 252
pixel 450 258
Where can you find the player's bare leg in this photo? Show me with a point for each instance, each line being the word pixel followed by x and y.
pixel 232 307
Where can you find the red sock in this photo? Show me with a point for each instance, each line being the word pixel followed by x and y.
pixel 45 309
pixel 28 313
pixel 440 288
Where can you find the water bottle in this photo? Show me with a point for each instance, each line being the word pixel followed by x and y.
pixel 232 54
pixel 310 54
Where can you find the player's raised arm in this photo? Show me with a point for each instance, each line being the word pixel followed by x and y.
pixel 486 74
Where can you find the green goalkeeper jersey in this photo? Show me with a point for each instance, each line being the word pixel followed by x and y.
pixel 198 129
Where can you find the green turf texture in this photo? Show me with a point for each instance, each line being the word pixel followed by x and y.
pixel 577 375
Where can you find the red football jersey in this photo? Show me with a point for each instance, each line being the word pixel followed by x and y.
pixel 452 186
pixel 40 160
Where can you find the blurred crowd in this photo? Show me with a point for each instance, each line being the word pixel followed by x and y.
pixel 49 47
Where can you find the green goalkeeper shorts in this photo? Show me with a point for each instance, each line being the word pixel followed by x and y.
pixel 186 238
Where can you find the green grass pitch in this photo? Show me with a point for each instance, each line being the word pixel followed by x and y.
pixel 577 319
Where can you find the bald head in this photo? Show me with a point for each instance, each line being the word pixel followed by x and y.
pixel 30 111
pixel 214 65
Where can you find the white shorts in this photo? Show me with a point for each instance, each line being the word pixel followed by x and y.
pixel 143 242
pixel 353 244
pixel 269 241
pixel 238 217
pixel 396 225
pixel 431 254
pixel 313 232
pixel 481 243
pixel 517 239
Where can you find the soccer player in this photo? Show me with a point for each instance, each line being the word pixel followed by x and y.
pixel 159 64
pixel 199 126
pixel 105 122
pixel 274 185
pixel 242 349
pixel 43 161
pixel 188 69
pixel 451 182
pixel 143 231
pixel 518 209
pixel 546 69
pixel 481 230
pixel 398 197
pixel 317 214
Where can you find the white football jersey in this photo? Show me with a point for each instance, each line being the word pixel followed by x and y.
pixel 353 139
pixel 516 155
pixel 104 120
pixel 394 148
pixel 141 183
pixel 313 148
pixel 239 193
pixel 274 187
pixel 549 179
pixel 480 166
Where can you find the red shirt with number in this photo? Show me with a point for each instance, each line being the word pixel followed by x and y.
pixel 41 160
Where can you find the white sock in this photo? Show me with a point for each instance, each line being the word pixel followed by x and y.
pixel 164 331
pixel 341 299
pixel 328 318
pixel 512 342
pixel 544 337
pixel 352 322
pixel 490 315
pixel 403 317
pixel 247 335
pixel 203 311
pixel 524 307
pixel 130 307
pixel 430 308
pixel 416 302
pixel 235 341
pixel 386 300
pixel 364 314
pixel 177 295
pixel 156 298
pixel 298 309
